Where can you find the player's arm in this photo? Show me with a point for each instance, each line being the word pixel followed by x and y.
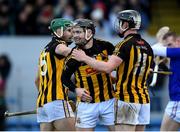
pixel 165 52
pixel 62 49
pixel 159 50
pixel 68 71
pixel 173 52
pixel 108 67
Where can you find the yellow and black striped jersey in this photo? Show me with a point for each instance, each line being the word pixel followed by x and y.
pixel 132 73
pixel 50 71
pixel 99 84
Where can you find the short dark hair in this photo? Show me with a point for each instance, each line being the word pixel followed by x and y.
pixel 169 34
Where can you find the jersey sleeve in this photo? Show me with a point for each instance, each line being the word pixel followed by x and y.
pixel 159 50
pixel 69 69
pixel 121 50
pixel 53 48
pixel 173 52
pixel 110 48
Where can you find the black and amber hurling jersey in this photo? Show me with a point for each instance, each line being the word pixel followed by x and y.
pixel 50 71
pixel 99 84
pixel 132 73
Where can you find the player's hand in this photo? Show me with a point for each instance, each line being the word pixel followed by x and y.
pixel 79 55
pixel 83 94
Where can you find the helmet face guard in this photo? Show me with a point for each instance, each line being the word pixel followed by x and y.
pixel 130 16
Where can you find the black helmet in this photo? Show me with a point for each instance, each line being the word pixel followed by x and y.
pixel 85 23
pixel 131 16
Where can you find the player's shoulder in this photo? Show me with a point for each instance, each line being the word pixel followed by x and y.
pixel 126 42
pixel 103 44
pixel 102 41
pixel 60 42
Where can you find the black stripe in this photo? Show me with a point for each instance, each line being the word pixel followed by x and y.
pixel 110 86
pixel 42 89
pixel 53 64
pixel 101 87
pixel 45 95
pixel 131 77
pixel 144 77
pixel 124 77
pixel 136 78
pixel 42 92
pixel 91 88
pixel 67 107
pixel 80 78
pixel 64 93
pixel 46 89
pixel 117 75
pixel 64 108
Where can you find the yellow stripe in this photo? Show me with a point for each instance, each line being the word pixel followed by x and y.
pixel 141 91
pixel 130 67
pixel 42 97
pixel 40 86
pixel 120 74
pixel 77 84
pixel 59 67
pixel 77 79
pixel 49 94
pixel 138 77
pixel 106 93
pixel 104 78
pixel 148 71
pixel 96 88
pixel 134 92
pixel 133 81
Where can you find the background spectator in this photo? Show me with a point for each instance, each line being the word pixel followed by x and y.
pixel 5 67
pixel 31 17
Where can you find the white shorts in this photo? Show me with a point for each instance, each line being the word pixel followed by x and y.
pixel 88 114
pixel 54 110
pixel 173 110
pixel 131 113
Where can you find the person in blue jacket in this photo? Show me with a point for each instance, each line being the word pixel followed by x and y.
pixel 171 119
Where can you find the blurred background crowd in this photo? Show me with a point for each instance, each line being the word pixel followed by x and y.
pixel 32 17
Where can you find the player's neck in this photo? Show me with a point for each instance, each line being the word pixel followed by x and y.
pixel 89 44
pixel 130 32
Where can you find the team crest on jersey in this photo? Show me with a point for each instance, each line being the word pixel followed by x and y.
pixel 61 42
pixel 90 71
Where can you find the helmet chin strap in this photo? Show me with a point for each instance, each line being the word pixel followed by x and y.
pixel 124 30
pixel 59 36
pixel 87 39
